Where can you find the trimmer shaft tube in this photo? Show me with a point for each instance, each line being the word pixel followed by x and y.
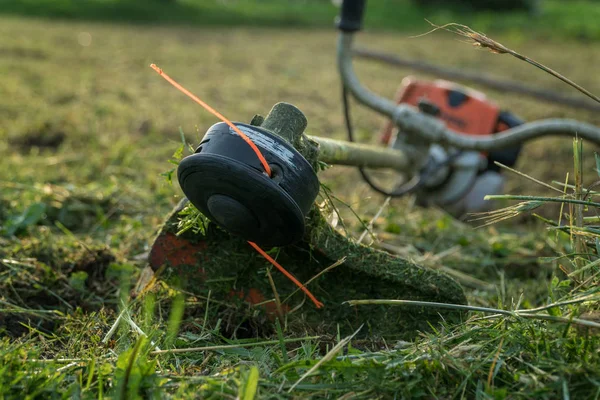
pixel 340 152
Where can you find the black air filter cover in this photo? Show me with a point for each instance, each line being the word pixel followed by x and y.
pixel 225 180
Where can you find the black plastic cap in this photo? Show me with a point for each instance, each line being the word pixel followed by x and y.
pixel 225 180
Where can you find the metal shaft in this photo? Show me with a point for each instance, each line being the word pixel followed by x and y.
pixel 288 122
pixel 340 152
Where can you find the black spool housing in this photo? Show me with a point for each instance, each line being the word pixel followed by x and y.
pixel 225 180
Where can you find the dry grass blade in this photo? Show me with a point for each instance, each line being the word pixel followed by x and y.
pixel 232 346
pixel 541 199
pixel 332 266
pixel 377 214
pixel 579 242
pixel 497 312
pixel 531 178
pixel 113 327
pixel 493 366
pixel 495 216
pixel 562 206
pixel 13 308
pixel 481 40
pixel 277 299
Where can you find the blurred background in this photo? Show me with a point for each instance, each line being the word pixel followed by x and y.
pixel 83 116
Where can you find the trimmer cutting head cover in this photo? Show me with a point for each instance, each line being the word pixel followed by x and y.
pixel 225 180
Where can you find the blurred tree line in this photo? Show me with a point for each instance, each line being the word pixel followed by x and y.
pixel 530 5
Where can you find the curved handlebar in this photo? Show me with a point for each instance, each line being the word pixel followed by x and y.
pixel 431 129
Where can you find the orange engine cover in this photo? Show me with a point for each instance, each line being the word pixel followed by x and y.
pixel 462 109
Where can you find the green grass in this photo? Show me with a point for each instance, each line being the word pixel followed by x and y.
pixel 559 19
pixel 87 129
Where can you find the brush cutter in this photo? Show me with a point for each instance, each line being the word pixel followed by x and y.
pixel 257 183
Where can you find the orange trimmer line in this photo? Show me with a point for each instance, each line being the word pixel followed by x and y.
pixel 291 277
pixel 265 165
pixel 211 110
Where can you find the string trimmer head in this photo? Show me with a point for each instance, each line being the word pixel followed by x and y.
pixel 230 192
pixel 226 182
